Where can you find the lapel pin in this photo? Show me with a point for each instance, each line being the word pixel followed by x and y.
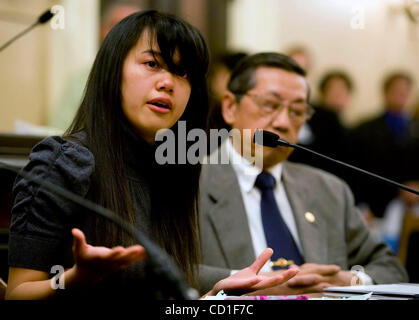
pixel 309 217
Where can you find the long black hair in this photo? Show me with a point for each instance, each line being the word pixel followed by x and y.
pixel 99 116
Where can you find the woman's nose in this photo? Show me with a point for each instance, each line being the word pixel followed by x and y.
pixel 165 81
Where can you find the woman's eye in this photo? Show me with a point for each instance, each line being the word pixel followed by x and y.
pixel 152 64
pixel 180 72
pixel 183 74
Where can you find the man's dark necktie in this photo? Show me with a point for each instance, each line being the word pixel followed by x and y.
pixel 278 236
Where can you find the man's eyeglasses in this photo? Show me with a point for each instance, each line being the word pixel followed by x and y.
pixel 270 105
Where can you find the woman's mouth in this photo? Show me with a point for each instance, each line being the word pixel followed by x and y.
pixel 160 105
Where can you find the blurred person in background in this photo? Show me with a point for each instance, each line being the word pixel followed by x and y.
pixel 218 78
pixel 324 132
pixel 392 222
pixel 388 145
pixel 302 56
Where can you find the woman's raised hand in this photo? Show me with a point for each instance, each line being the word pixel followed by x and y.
pixel 92 264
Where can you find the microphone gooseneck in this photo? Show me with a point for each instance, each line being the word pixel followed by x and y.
pixel 43 18
pixel 162 266
pixel 270 139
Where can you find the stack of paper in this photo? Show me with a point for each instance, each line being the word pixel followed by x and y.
pixel 396 291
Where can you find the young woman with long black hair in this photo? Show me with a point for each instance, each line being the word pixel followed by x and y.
pixel 148 74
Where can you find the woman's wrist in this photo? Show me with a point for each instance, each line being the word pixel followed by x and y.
pixel 76 278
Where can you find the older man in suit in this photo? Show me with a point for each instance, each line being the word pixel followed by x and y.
pixel 306 215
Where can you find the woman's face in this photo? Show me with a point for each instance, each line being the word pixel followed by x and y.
pixel 152 97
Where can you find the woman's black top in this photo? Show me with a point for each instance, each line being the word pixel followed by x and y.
pixel 40 231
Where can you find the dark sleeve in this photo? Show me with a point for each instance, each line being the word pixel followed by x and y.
pixel 40 230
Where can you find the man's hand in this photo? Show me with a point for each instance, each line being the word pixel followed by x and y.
pixel 315 277
pixel 311 278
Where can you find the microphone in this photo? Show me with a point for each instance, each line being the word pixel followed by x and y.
pixel 272 140
pixel 43 18
pixel 163 268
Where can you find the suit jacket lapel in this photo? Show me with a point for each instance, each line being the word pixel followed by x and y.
pixel 302 200
pixel 229 217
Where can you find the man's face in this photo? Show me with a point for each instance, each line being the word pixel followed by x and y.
pixel 274 85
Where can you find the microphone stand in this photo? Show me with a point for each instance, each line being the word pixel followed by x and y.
pixel 46 16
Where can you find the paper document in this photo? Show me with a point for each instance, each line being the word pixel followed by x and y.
pixel 401 289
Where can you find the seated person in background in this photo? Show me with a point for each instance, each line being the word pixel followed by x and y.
pixel 324 132
pixel 218 78
pixel 305 214
pixel 387 145
pixel 391 228
pixel 392 222
pixel 302 56
pixel 219 75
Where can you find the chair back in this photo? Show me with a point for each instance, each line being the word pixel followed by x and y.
pixel 410 225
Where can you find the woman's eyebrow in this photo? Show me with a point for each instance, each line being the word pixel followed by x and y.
pixel 153 52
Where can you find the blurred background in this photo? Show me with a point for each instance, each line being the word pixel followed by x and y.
pixel 365 38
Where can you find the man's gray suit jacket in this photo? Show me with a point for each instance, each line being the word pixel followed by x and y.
pixel 337 236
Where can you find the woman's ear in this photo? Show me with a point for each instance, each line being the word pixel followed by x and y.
pixel 228 108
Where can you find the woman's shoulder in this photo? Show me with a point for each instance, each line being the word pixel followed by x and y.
pixel 41 216
pixel 72 150
pixel 65 161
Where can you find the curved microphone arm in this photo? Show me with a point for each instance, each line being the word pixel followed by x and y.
pixel 270 139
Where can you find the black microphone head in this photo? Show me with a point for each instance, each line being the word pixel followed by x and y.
pixel 269 139
pixel 265 138
pixel 46 16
